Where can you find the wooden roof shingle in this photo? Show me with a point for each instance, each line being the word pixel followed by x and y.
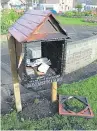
pixel 28 24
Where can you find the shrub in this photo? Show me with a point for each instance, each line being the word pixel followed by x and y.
pixel 69 14
pixel 8 17
pixel 90 19
pixel 87 13
pixel 77 14
pixel 79 7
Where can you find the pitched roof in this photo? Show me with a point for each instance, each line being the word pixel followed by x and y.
pixel 36 25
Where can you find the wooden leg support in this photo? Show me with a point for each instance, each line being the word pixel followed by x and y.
pixel 54 91
pixel 17 97
pixel 12 52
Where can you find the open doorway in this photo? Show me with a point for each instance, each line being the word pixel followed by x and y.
pixel 44 58
pixel 53 51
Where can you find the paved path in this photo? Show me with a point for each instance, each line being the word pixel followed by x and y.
pixel 75 32
pixel 80 32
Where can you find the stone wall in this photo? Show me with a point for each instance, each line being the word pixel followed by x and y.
pixel 80 53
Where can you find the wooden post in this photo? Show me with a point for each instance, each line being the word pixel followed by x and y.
pixel 54 91
pixel 12 52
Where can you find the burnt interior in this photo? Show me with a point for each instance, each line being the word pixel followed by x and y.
pixel 53 51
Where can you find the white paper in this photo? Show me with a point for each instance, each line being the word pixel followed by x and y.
pixel 43 68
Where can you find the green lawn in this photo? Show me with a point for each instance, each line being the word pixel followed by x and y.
pixel 86 88
pixel 73 21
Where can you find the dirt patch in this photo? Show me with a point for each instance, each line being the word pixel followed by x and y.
pixel 40 106
pixel 39 109
pixel 37 104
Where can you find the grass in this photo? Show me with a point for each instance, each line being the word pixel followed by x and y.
pixel 73 21
pixel 86 88
pixel 74 105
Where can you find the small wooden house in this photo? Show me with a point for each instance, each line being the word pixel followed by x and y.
pixel 37 48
